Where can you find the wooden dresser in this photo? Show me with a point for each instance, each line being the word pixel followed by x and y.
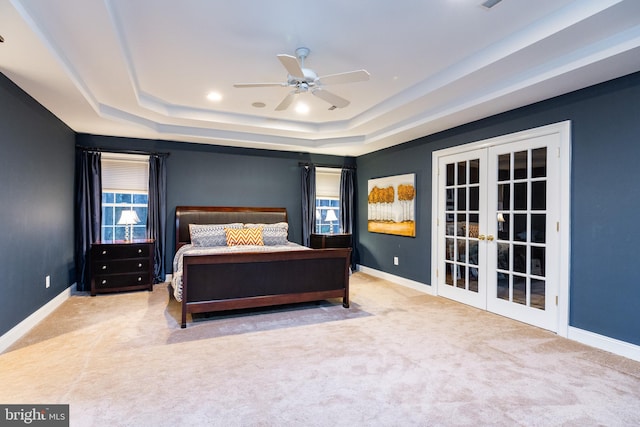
pixel 122 266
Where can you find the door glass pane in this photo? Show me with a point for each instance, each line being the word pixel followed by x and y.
pixel 520 258
pixel 504 197
pixel 474 198
pixel 503 286
pixel 462 250
pixel 462 225
pixel 450 270
pixel 462 173
pixel 503 226
pixel 461 271
pixel 450 226
pixel 474 171
pixel 538 228
pixel 473 225
pixel 450 175
pixel 519 289
pixel 538 293
pixel 520 165
pixel 462 199
pixel 504 167
pixel 539 162
pixel 520 227
pixel 473 252
pixel 538 260
pixel 520 196
pixel 449 249
pixel 450 200
pixel 473 279
pixel 503 256
pixel 539 195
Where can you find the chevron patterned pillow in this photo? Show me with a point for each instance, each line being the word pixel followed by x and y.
pixel 272 234
pixel 244 236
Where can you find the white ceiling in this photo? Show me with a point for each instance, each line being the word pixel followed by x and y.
pixel 143 68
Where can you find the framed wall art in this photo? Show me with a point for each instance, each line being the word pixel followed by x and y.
pixel 391 205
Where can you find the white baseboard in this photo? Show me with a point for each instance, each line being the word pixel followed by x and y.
pixel 612 345
pixel 418 286
pixel 18 331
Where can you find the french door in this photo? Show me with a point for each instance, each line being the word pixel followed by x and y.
pixel 498 216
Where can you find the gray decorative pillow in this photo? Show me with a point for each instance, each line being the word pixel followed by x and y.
pixel 210 234
pixel 273 234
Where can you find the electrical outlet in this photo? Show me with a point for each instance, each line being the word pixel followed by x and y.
pixel 47 281
pixel 395 260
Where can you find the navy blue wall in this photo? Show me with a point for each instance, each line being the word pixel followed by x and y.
pixel 605 186
pixel 209 175
pixel 36 205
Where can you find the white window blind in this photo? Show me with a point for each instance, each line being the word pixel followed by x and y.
pixel 328 183
pixel 125 172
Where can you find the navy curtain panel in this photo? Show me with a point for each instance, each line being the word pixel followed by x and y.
pixel 347 199
pixel 157 219
pixel 88 213
pixel 308 174
pixel 347 192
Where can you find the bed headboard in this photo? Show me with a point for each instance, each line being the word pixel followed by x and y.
pixel 186 215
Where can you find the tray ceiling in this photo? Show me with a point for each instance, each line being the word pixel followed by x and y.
pixel 144 68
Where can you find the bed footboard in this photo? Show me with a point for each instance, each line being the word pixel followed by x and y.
pixel 248 280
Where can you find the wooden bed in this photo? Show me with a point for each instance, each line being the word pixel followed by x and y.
pixel 247 280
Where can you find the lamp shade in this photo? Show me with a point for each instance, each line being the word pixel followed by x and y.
pixel 128 217
pixel 331 216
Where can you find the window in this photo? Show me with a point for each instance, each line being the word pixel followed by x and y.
pixel 328 200
pixel 125 182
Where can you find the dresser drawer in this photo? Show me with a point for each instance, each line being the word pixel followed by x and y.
pixel 105 252
pixel 121 281
pixel 130 265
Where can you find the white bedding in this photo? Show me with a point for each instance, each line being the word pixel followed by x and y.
pixel 190 249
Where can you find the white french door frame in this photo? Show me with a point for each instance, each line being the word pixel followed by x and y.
pixel 563 131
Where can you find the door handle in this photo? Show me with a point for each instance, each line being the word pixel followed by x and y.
pixel 482 236
pixel 490 237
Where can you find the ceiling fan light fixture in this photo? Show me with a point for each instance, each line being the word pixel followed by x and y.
pixel 302 108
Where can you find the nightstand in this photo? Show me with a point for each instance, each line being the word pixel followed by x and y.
pixel 122 266
pixel 322 241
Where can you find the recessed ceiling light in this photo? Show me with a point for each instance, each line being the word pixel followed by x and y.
pixel 214 96
pixel 259 104
pixel 302 108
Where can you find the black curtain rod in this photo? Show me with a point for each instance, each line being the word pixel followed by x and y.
pixel 116 150
pixel 321 165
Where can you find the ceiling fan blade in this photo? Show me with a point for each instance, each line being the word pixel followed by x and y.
pixel 292 65
pixel 331 98
pixel 241 85
pixel 348 77
pixel 286 101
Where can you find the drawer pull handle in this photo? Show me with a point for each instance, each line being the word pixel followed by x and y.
pixel 139 279
pixel 139 265
pixel 104 281
pixel 104 267
pixel 104 252
pixel 139 251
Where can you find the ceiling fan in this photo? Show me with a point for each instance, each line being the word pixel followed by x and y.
pixel 305 80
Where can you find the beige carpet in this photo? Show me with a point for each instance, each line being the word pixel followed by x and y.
pixel 396 358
